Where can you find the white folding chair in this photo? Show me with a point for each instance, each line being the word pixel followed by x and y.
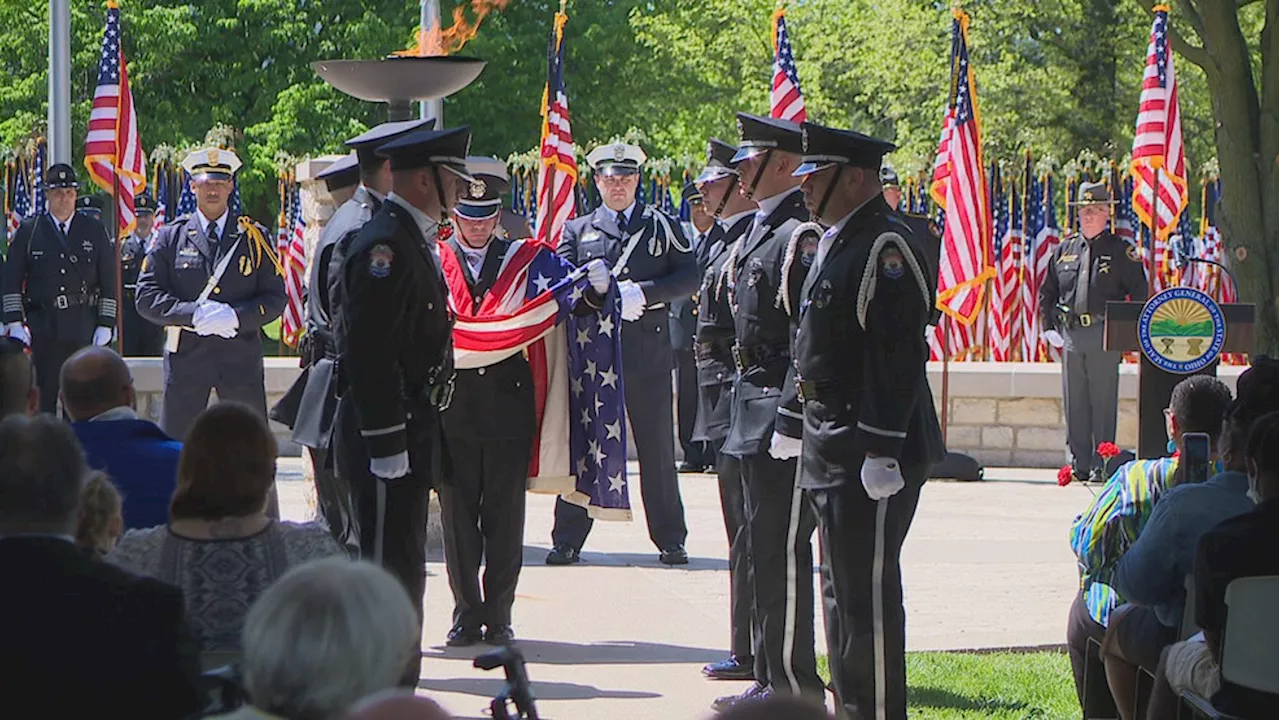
pixel 1250 657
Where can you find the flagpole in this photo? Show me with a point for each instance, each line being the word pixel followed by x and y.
pixel 115 219
pixel 946 375
pixel 1155 220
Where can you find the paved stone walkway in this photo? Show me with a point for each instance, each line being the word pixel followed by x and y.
pixel 986 565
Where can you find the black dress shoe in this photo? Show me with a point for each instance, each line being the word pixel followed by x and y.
pixel 731 668
pixel 674 556
pixel 755 692
pixel 460 636
pixel 688 467
pixel 563 555
pixel 500 635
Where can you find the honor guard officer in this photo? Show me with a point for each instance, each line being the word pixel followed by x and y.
pixel 395 355
pixel 315 392
pixel 60 279
pixel 648 253
pixel 926 231
pixel 870 430
pixel 142 338
pixel 683 312
pixel 766 270
pixel 491 425
pixel 212 281
pixel 713 353
pixel 1089 269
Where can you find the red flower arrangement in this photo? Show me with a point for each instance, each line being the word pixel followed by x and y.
pixel 1065 476
pixel 1108 450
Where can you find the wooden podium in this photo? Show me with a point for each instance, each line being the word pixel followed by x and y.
pixel 1155 385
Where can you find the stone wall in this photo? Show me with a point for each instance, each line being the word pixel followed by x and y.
pixel 1010 414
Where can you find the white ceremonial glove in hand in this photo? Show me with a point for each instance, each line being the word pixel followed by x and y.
pixel 782 447
pixel 633 301
pixel 228 322
pixel 18 331
pixel 881 477
pixel 390 468
pixel 1054 338
pixel 598 276
pixel 215 318
pixel 102 335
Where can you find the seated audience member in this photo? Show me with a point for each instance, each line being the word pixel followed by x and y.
pixel 78 638
pixel 19 394
pixel 1152 574
pixel 1102 534
pixel 397 704
pixel 98 519
pixel 98 396
pixel 326 635
pixel 218 520
pixel 1239 547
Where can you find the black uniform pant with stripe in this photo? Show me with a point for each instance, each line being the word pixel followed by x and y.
pixel 696 453
pixel 391 514
pixel 646 365
pixel 1090 392
pixel 861 541
pixel 482 510
pixel 742 631
pixel 333 499
pixel 780 522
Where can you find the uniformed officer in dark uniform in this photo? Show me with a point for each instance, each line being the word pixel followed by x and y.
pixel 683 312
pixel 651 258
pixel 395 355
pixel 766 270
pixel 713 349
pixel 316 389
pixel 1089 269
pixel 490 429
pixel 870 429
pixel 212 281
pixel 60 279
pixel 142 338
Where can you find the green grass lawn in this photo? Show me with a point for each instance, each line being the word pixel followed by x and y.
pixel 1005 686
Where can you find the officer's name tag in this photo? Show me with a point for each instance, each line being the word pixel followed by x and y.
pixel 1067 258
pixel 591 237
pixel 189 252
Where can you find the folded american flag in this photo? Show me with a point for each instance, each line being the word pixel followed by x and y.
pixel 580 450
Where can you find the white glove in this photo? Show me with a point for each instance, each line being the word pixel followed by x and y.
pixel 18 331
pixel 782 447
pixel 1054 338
pixel 881 477
pixel 390 468
pixel 228 322
pixel 103 335
pixel 633 301
pixel 598 275
pixel 215 318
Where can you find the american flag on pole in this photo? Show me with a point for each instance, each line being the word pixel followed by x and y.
pixel 998 338
pixel 39 202
pixel 1026 333
pixel 1158 159
pixel 113 151
pixel 785 99
pixel 186 198
pixel 293 258
pixel 558 169
pixel 20 207
pixel 162 195
pixel 960 189
pixel 580 450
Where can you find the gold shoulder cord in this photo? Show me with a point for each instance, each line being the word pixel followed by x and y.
pixel 259 245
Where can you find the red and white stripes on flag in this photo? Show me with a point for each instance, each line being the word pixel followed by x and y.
pixel 113 151
pixel 959 187
pixel 1158 159
pixel 293 258
pixel 1010 297
pixel 557 169
pixel 786 102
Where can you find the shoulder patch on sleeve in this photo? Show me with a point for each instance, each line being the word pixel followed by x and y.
pixel 802 246
pixel 380 257
pixel 889 254
pixel 1132 253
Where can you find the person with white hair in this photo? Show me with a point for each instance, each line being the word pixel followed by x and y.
pixel 325 636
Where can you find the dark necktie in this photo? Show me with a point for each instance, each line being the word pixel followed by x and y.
pixel 213 234
pixel 622 222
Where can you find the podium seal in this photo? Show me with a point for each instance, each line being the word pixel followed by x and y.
pixel 1181 330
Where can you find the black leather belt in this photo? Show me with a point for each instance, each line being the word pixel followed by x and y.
pixel 63 302
pixel 749 356
pixel 1085 320
pixel 811 390
pixel 704 350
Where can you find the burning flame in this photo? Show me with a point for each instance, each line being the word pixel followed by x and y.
pixel 434 42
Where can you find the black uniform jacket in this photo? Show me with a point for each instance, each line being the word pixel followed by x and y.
pixel 860 353
pixel 713 342
pixel 394 331
pixel 767 268
pixel 1115 273
pixel 182 261
pixel 62 287
pixel 662 263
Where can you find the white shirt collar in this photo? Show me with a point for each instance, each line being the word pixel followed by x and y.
pixel 829 237
pixel 625 213
pixel 729 221
pixel 62 223
pixel 427 226
pixel 221 222
pixel 769 204
pixel 124 412
pixel 379 196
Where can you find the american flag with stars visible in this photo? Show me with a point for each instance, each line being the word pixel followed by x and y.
pixel 580 450
pixel 21 207
pixel 162 196
pixel 785 99
pixel 40 202
pixel 293 258
pixel 1157 138
pixel 557 167
pixel 186 198
pixel 112 150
